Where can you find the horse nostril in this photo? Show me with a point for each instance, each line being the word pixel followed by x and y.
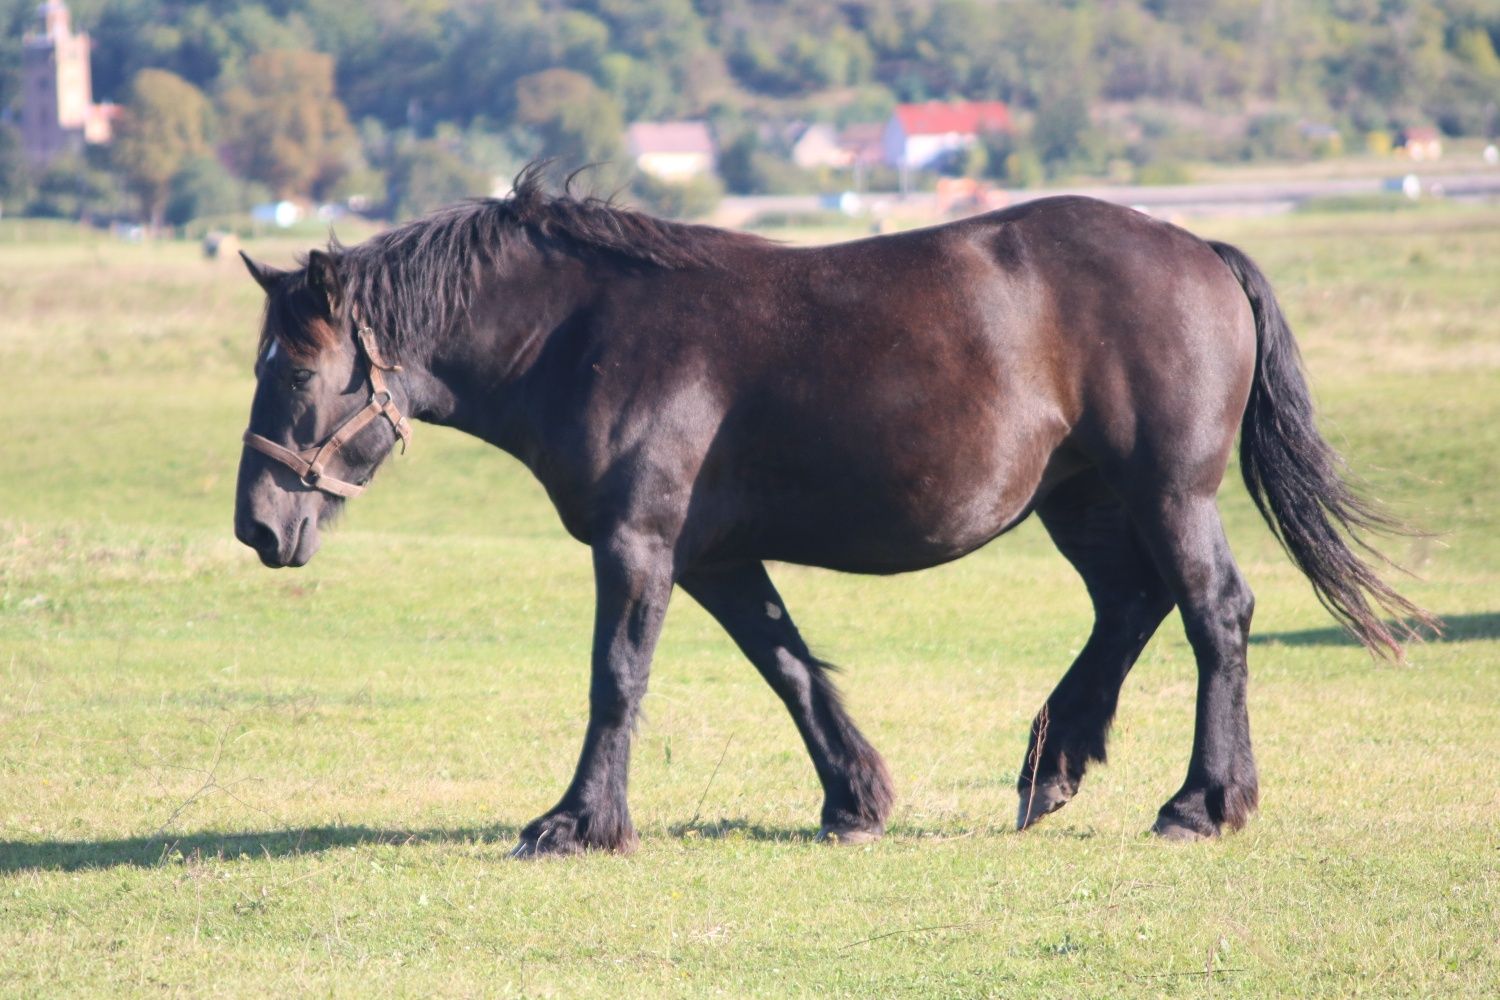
pixel 259 537
pixel 266 540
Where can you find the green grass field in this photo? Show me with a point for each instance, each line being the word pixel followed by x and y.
pixel 220 780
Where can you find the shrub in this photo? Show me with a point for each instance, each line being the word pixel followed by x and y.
pixel 686 200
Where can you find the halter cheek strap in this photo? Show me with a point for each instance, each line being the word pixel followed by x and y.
pixel 310 464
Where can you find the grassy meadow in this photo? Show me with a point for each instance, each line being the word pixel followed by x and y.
pixel 220 780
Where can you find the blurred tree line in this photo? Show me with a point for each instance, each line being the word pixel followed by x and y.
pixel 405 104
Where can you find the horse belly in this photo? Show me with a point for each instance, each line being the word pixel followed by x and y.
pixel 874 517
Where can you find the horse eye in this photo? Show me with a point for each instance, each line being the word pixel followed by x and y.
pixel 300 377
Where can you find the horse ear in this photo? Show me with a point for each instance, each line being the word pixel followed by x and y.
pixel 323 279
pixel 266 276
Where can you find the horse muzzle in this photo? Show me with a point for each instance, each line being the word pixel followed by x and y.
pixel 294 545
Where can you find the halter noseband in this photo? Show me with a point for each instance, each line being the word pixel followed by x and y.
pixel 310 464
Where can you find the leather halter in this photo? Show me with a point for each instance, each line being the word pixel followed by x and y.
pixel 310 464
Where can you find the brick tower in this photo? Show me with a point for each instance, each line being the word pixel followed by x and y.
pixel 58 113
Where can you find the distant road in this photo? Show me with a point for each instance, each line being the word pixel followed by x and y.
pixel 1258 198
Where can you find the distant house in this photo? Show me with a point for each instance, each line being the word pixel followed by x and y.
pixel 58 113
pixel 923 135
pixel 820 145
pixel 671 151
pixel 1422 143
pixel 863 143
pixel 817 145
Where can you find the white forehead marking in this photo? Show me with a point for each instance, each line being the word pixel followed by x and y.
pixel 271 351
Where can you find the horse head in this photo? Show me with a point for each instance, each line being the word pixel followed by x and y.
pixel 311 444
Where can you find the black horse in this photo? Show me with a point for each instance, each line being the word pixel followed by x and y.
pixel 697 402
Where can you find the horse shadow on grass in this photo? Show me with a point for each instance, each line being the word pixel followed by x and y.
pixel 741 829
pixel 160 850
pixel 1456 628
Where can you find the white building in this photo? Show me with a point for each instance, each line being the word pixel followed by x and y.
pixel 817 145
pixel 671 151
pixel 919 136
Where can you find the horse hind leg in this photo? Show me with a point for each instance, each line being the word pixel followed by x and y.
pixel 1184 533
pixel 1091 528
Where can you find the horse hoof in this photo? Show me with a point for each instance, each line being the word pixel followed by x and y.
pixel 1039 800
pixel 532 849
pixel 849 836
pixel 559 836
pixel 1175 832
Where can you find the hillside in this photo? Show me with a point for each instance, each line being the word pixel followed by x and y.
pixel 486 86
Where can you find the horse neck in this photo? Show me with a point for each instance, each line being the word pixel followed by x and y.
pixel 478 377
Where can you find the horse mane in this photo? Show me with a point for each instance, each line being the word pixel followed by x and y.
pixel 421 276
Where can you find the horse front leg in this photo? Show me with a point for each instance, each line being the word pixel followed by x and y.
pixel 633 581
pixel 856 786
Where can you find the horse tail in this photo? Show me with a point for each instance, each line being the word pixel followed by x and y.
pixel 1301 486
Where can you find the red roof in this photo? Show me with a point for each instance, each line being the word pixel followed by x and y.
pixel 966 118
